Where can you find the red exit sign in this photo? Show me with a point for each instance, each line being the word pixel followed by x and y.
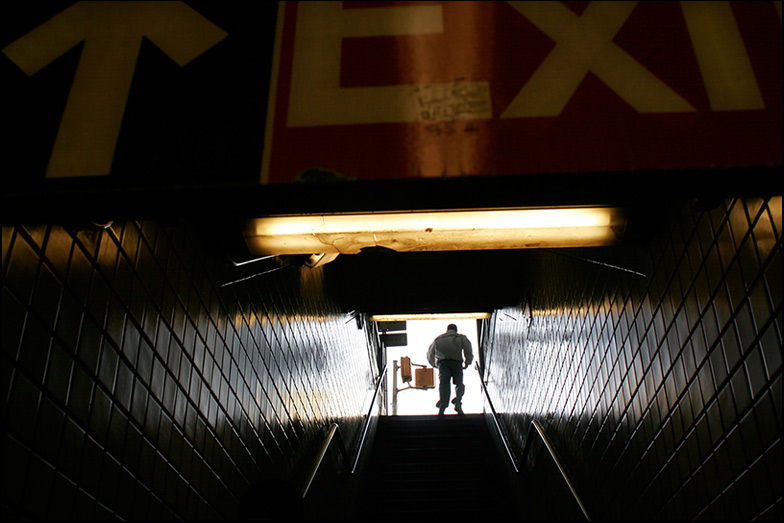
pixel 385 90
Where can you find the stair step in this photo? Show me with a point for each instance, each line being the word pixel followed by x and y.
pixel 434 468
pixel 464 491
pixel 437 512
pixel 389 508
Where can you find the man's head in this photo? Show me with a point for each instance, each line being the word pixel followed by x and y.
pixel 451 327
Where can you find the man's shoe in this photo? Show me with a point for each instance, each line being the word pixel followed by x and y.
pixel 441 408
pixel 459 410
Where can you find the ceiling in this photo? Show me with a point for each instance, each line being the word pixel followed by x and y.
pixel 379 281
pixel 382 281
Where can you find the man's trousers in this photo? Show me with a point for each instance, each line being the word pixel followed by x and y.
pixel 450 370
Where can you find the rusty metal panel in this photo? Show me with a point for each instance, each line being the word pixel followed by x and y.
pixel 424 378
pixel 485 88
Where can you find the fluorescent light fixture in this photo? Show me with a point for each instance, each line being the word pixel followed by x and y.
pixel 433 316
pixel 435 231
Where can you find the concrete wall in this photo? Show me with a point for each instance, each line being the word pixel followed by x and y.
pixel 661 390
pixel 137 385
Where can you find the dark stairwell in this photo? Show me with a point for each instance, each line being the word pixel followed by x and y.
pixel 435 468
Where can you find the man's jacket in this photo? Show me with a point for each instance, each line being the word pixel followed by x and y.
pixel 450 346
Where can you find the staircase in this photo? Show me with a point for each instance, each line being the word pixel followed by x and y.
pixel 435 468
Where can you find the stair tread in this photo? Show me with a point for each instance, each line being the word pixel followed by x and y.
pixel 418 460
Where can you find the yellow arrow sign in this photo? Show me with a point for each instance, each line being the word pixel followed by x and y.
pixel 112 33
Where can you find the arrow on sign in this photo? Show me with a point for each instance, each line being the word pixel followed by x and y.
pixel 112 33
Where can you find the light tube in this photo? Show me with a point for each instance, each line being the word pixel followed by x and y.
pixel 432 316
pixel 435 231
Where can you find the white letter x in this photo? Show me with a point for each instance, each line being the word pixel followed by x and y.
pixel 585 43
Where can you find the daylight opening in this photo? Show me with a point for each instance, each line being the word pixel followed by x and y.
pixel 420 333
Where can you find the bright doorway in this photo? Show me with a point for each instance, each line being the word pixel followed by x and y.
pixel 421 334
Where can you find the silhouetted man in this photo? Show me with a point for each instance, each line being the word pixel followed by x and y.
pixel 446 354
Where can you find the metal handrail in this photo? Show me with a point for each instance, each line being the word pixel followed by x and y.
pixel 535 427
pixel 334 430
pixel 367 421
pixel 494 416
pixel 334 434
